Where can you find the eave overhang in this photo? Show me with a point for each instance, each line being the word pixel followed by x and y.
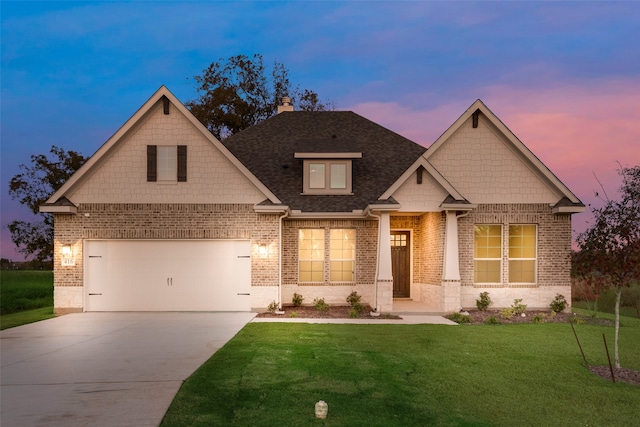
pixel 566 206
pixel 61 206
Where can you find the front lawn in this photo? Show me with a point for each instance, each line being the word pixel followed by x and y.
pixel 411 375
pixel 25 296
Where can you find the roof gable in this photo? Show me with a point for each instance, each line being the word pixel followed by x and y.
pixel 487 163
pixel 160 100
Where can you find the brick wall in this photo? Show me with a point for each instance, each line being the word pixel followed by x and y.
pixel 554 249
pixel 164 221
pixel 334 293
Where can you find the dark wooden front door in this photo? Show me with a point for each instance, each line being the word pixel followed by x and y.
pixel 400 263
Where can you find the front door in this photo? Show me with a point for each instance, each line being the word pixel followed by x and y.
pixel 400 263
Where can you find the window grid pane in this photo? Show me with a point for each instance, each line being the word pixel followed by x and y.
pixel 522 253
pixel 316 175
pixel 338 176
pixel 487 253
pixel 311 255
pixel 167 163
pixel 342 252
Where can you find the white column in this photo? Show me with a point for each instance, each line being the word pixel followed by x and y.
pixel 384 248
pixel 451 266
pixel 384 284
pixel 451 300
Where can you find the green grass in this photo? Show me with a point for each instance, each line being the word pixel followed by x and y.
pixel 410 375
pixel 24 317
pixel 25 297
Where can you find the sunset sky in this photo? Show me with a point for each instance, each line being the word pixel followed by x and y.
pixel 564 77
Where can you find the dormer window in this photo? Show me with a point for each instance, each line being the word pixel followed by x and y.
pixel 327 173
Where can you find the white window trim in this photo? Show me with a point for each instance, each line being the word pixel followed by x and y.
pixel 535 264
pixel 327 190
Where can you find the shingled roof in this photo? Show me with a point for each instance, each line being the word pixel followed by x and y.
pixel 268 149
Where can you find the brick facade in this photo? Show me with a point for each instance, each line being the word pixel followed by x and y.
pixel 553 255
pixel 164 222
pixel 334 293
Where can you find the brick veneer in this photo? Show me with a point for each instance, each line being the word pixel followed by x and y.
pixel 161 221
pixel 554 249
pixel 334 293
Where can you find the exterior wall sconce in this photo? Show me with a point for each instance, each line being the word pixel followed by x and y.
pixel 263 250
pixel 68 260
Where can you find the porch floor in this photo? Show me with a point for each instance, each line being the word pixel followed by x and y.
pixel 408 306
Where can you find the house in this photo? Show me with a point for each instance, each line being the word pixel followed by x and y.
pixel 166 217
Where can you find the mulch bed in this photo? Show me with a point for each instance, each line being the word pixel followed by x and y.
pixel 478 317
pixel 334 312
pixel 630 376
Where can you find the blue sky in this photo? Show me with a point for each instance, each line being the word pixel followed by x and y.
pixel 563 76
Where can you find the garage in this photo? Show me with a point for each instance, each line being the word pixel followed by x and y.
pixel 167 275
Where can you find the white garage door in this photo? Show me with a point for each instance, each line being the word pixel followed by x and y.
pixel 161 275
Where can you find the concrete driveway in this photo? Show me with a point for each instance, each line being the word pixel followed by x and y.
pixel 105 369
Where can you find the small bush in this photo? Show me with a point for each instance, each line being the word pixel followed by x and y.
pixel 539 318
pixel 293 314
pixel 577 320
pixel 459 318
pixel 492 320
pixel 320 304
pixel 484 302
pixel 272 307
pixel 558 304
pixel 518 307
pixel 353 299
pixel 507 313
pixel 353 313
pixel 297 300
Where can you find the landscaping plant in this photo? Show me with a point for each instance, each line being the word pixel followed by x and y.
pixel 484 302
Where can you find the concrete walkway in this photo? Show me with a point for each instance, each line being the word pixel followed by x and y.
pixel 105 369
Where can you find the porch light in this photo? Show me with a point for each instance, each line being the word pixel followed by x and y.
pixel 68 260
pixel 263 250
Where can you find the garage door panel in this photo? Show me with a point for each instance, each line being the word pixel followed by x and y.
pixel 168 275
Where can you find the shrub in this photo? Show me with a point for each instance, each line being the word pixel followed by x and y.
pixel 272 307
pixel 577 320
pixel 297 299
pixel 558 304
pixel 353 313
pixel 518 307
pixel 459 318
pixel 492 320
pixel 320 304
pixel 539 318
pixel 507 313
pixel 354 301
pixel 484 302
pixel 293 314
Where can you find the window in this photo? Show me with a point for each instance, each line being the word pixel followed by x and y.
pixel 167 163
pixel 522 253
pixel 311 255
pixel 327 177
pixel 342 252
pixel 341 255
pixel 487 256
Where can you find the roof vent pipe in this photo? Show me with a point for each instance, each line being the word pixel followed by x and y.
pixel 286 105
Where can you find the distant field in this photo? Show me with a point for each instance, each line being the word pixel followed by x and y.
pixel 25 290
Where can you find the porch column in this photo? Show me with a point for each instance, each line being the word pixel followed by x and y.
pixel 451 266
pixel 384 284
